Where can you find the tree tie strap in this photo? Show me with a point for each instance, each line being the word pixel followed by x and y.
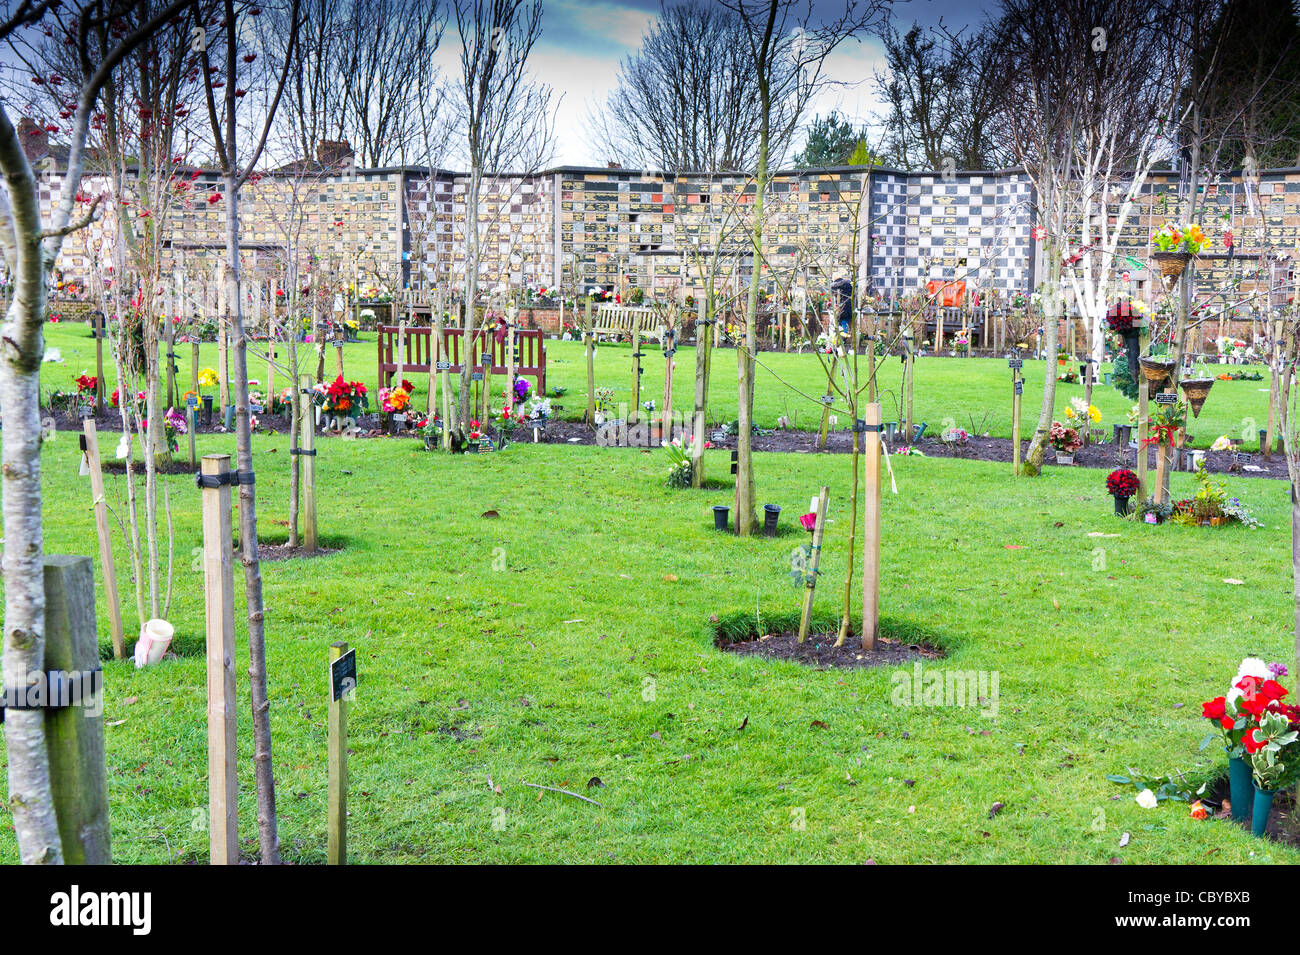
pixel 311 453
pixel 233 478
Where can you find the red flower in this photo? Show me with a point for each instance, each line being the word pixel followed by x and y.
pixel 1252 743
pixel 1272 690
pixel 808 521
pixel 1214 709
pixel 1254 705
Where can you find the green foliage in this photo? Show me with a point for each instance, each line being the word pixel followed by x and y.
pixel 1123 379
pixel 832 141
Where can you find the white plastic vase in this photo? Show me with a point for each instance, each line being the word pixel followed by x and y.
pixel 155 637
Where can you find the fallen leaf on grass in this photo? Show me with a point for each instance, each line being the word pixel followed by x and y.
pixel 818 724
pixel 1123 840
pixel 595 782
pixel 1233 580
pixel 743 724
pixel 996 808
pixel 130 699
pixel 671 578
pixel 1013 546
pixel 491 514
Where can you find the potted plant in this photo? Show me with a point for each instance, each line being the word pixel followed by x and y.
pixel 207 379
pixel 1232 723
pixel 1065 441
pixel 430 430
pixel 1121 484
pixel 680 468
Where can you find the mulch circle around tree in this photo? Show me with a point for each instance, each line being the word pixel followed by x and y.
pixel 278 552
pixel 819 650
pixel 175 466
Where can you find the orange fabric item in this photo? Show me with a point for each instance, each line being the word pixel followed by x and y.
pixel 947 294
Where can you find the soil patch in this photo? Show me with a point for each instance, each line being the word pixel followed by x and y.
pixel 278 552
pixel 819 650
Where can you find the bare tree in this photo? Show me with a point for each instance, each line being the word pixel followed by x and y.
pixel 787 45
pixel 684 100
pixel 943 94
pixel 230 36
pixel 505 119
pixel 30 248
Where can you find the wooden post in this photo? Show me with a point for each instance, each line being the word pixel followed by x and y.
pixel 511 316
pixel 826 405
pixel 74 735
pixel 337 852
pixel 219 600
pixel 666 413
pixel 871 516
pixel 1274 394
pixel 401 353
pixel 270 373
pixel 194 367
pixel 909 374
pixel 589 345
pixel 634 413
pixel 810 581
pixel 701 389
pixel 1142 421
pixel 307 451
pixel 101 331
pixel 444 386
pixel 431 403
pixel 1017 388
pixel 105 538
pixel 191 422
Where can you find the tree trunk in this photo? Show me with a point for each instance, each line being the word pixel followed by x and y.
pixel 262 763
pixel 746 517
pixel 1052 302
pixel 702 360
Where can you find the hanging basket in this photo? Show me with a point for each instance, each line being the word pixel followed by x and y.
pixel 1157 372
pixel 1172 264
pixel 1196 390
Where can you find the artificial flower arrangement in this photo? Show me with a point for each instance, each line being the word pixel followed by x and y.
pixel 1178 237
pixel 957 436
pixel 1081 413
pixel 1121 320
pixel 86 384
pixel 1064 440
pixel 522 388
pixel 207 378
pixel 680 468
pixel 1121 483
pixel 539 409
pixel 396 400
pixel 341 397
pixel 1166 422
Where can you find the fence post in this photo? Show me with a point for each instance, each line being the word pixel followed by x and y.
pixel 105 539
pixel 872 418
pixel 589 345
pixel 810 578
pixel 337 844
pixel 74 735
pixel 307 451
pixel 219 601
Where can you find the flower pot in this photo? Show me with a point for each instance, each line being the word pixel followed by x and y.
pixel 207 409
pixel 1157 372
pixel 721 513
pixel 155 637
pixel 230 417
pixel 1121 505
pixel 1260 811
pixel 1172 264
pixel 1063 458
pixel 1195 390
pixel 771 514
pixel 1240 788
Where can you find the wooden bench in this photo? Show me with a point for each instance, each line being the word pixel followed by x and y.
pixel 621 320
pixel 417 342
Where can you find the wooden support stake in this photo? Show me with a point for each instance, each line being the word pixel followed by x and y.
pixel 444 386
pixel 826 405
pixel 634 413
pixel 337 852
pixel 194 367
pixel 666 414
pixel 74 735
pixel 1142 422
pixel 101 331
pixel 589 345
pixel 306 451
pixel 871 453
pixel 191 422
pixel 105 538
pixel 1016 388
pixel 219 601
pixel 909 375
pixel 810 581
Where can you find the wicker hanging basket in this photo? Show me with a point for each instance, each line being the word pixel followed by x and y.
pixel 1196 390
pixel 1157 372
pixel 1172 264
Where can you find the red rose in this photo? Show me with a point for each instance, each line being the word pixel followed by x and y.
pixel 1249 685
pixel 1252 743
pixel 1227 722
pixel 1214 709
pixel 1272 690
pixel 1255 706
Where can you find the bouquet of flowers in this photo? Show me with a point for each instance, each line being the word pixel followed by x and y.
pixel 396 400
pixel 207 378
pixel 1063 439
pixel 522 387
pixel 1082 413
pixel 539 409
pixel 1256 725
pixel 680 468
pixel 1178 237
pixel 86 384
pixel 1121 483
pixel 341 397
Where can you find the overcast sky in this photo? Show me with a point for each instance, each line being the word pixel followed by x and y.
pixel 583 42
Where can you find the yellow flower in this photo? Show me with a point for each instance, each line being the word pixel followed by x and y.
pixel 1094 414
pixel 207 377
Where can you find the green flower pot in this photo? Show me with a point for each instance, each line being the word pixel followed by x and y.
pixel 1240 788
pixel 1263 806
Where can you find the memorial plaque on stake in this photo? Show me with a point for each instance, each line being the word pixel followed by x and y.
pixel 444 366
pixel 476 376
pixel 719 436
pixel 343 674
pixel 1020 386
pixel 487 358
pixel 191 401
pixel 1014 363
pixel 338 343
pixel 1166 398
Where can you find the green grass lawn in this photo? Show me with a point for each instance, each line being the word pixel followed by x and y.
pixel 974 394
pixel 570 639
